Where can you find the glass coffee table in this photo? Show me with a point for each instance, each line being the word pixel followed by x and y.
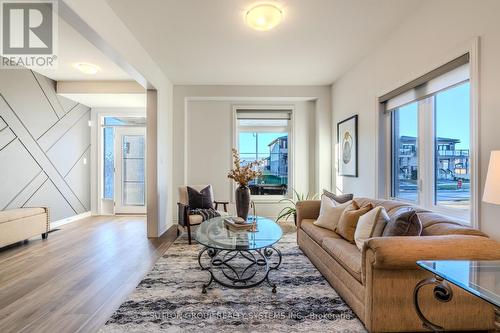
pixel 239 259
pixel 480 278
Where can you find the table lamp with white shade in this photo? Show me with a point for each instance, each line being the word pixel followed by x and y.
pixel 492 187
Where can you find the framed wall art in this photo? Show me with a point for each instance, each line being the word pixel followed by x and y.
pixel 347 143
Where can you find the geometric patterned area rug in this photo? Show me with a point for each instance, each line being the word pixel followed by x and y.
pixel 169 299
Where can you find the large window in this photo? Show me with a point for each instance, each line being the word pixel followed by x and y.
pixel 264 136
pixel 452 146
pixel 430 141
pixel 405 159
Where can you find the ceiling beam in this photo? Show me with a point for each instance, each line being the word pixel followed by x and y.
pixel 99 87
pixel 74 20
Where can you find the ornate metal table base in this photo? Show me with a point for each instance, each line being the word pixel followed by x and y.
pixel 239 269
pixel 442 292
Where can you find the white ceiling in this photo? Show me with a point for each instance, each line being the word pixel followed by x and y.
pixel 74 48
pixel 207 42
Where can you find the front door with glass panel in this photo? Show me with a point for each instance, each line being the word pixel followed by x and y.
pixel 130 175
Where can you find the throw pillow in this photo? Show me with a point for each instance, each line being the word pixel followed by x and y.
pixel 201 199
pixel 349 220
pixel 404 222
pixel 370 225
pixel 342 198
pixel 329 213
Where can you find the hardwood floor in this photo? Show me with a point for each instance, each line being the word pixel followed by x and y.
pixel 77 278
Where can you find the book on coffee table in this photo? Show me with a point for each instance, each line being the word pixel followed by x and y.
pixel 238 224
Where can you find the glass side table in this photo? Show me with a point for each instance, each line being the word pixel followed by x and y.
pixel 480 278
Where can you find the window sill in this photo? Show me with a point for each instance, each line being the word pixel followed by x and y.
pixel 460 216
pixel 267 199
pixel 409 202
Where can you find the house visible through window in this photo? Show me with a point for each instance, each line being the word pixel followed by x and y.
pixel 452 159
pixel 430 131
pixel 405 161
pixel 264 136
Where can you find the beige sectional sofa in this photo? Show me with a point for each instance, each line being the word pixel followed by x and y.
pixel 23 223
pixel 378 282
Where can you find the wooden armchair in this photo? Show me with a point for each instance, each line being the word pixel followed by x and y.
pixel 185 218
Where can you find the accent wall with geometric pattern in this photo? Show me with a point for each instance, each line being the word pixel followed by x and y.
pixel 44 146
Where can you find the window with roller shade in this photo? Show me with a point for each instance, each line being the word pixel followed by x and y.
pixel 265 136
pixel 431 139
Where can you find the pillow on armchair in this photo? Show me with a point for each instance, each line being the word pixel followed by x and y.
pixel 200 199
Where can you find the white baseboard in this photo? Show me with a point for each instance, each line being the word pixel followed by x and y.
pixel 70 219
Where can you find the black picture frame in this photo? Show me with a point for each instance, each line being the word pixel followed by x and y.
pixel 352 121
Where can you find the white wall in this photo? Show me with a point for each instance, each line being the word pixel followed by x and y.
pixel 203 135
pixel 432 34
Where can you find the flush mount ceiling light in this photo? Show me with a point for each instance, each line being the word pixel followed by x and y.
pixel 263 17
pixel 87 68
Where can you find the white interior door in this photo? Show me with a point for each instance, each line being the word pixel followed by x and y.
pixel 130 175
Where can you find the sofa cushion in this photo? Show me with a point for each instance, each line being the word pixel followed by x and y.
pixel 341 198
pixel 349 220
pixel 370 225
pixel 19 213
pixel 318 234
pixel 435 224
pixel 344 253
pixel 405 222
pixel 390 205
pixel 195 219
pixel 330 213
pixel 441 229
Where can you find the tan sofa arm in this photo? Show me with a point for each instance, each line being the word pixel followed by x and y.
pixel 307 209
pixel 403 252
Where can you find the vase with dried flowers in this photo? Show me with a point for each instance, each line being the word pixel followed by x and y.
pixel 243 175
